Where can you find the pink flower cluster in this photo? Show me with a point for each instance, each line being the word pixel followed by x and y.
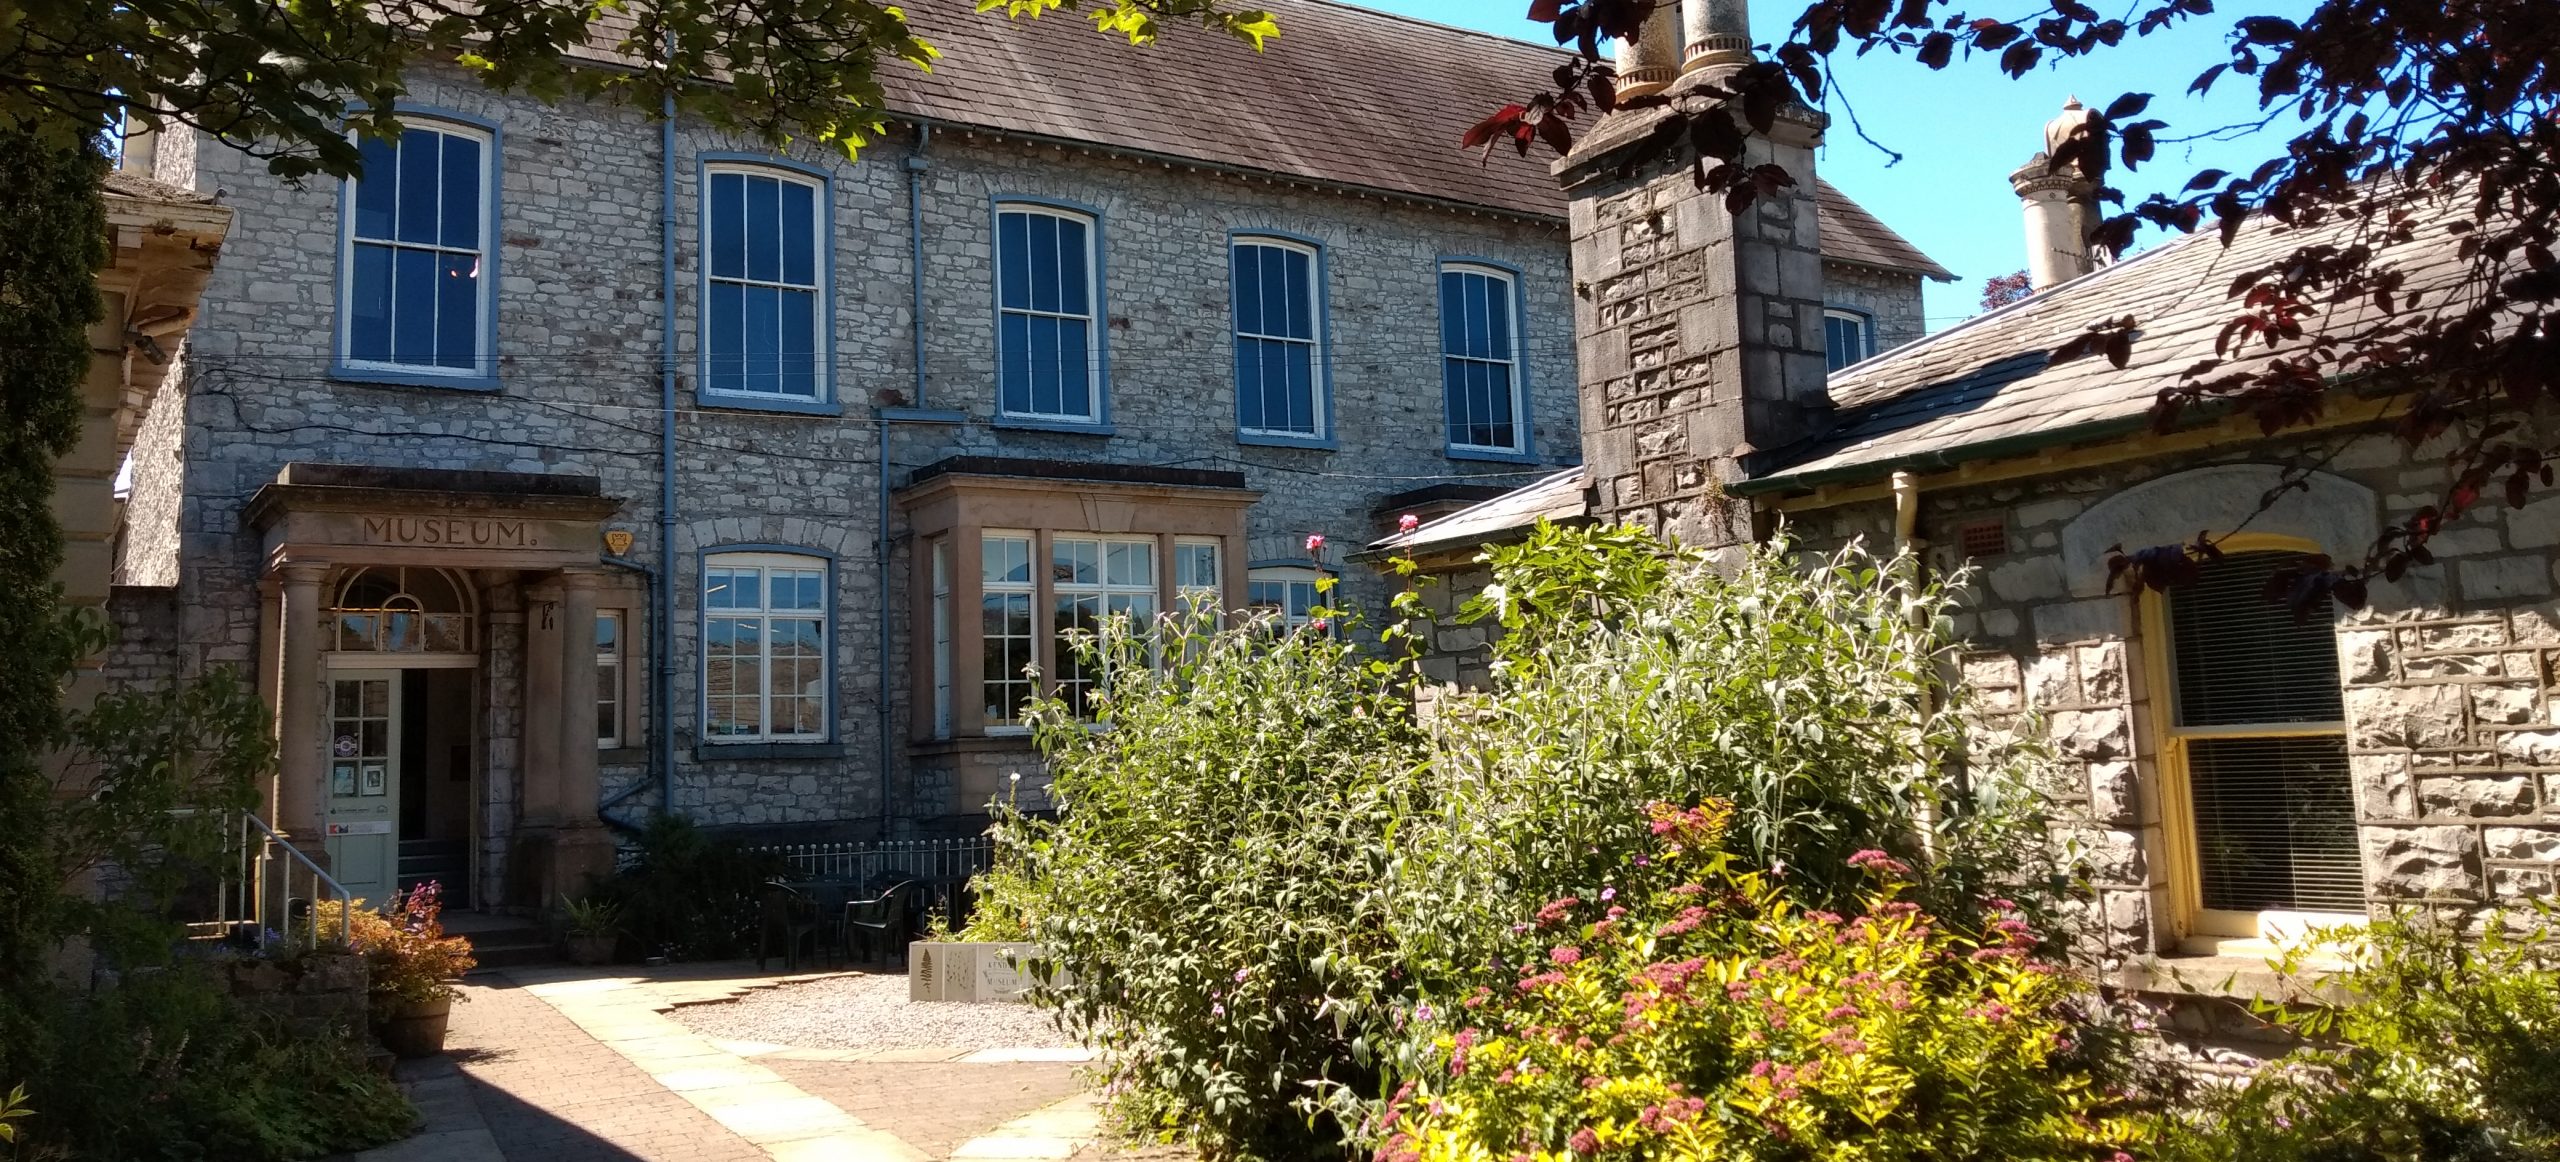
pixel 1879 863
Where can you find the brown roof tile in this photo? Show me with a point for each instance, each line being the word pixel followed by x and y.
pixel 1367 100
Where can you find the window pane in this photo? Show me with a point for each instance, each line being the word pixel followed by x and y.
pixel 369 311
pixel 1452 326
pixel 1497 318
pixel 1075 562
pixel 1044 262
pixel 1013 253
pixel 800 343
pixel 414 276
pixel 764 229
pixel 1044 365
pixel 1074 268
pixel 1300 369
pixel 419 178
pixel 1013 363
pixel 725 367
pixel 728 216
pixel 1301 300
pixel 799 589
pixel 458 311
pixel 1006 560
pixel 1249 407
pixel 764 338
pixel 799 234
pixel 1129 563
pixel 462 191
pixel 1277 309
pixel 1195 566
pixel 378 192
pixel 1075 370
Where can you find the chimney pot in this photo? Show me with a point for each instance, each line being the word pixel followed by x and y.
pixel 2060 205
pixel 1716 34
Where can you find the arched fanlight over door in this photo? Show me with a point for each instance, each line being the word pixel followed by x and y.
pixel 402 610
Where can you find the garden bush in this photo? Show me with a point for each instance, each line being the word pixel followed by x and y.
pixel 1262 859
pixel 1214 881
pixel 1717 1019
pixel 2447 1050
pixel 167 1066
pixel 1809 693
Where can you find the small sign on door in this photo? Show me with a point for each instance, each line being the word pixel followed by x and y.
pixel 362 827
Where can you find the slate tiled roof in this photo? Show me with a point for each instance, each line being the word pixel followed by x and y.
pixel 1984 388
pixel 1344 96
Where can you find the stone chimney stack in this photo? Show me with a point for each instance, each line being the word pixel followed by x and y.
pixel 2061 207
pixel 1700 330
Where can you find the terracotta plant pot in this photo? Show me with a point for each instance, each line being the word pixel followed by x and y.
pixel 597 949
pixel 416 1029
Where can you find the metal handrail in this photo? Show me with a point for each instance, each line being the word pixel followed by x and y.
pixel 320 879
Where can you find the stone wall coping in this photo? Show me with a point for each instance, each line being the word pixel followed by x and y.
pixel 2235 977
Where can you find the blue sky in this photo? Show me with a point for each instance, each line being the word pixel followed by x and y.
pixel 1963 130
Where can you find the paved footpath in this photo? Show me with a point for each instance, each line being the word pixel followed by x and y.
pixel 565 1065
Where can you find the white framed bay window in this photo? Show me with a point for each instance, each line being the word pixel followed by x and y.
pixel 1009 569
pixel 764 647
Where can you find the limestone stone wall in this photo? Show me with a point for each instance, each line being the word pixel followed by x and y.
pixel 2452 713
pixel 578 239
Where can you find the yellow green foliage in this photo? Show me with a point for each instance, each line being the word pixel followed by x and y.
pixel 1716 1020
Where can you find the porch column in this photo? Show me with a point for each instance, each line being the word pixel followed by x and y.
pixel 300 706
pixel 582 851
pixel 577 753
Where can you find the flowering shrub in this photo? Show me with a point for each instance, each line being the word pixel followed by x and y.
pixel 1717 1020
pixel 1807 693
pixel 405 950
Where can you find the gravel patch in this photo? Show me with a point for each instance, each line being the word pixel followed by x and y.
pixel 869 1011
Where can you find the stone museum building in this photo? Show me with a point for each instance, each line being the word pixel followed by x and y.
pixel 2231 775
pixel 570 465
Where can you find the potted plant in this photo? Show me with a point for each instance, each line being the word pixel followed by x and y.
pixel 412 965
pixel 594 928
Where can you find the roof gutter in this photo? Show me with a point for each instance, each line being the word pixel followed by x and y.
pixel 1943 459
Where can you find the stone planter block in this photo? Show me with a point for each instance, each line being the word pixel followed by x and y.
pixel 968 972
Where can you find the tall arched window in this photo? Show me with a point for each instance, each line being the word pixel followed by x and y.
pixel 418 293
pixel 2256 724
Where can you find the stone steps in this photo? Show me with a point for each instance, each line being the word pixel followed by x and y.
pixel 512 946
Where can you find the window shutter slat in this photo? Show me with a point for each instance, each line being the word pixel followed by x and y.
pixel 2243 660
pixel 2275 824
